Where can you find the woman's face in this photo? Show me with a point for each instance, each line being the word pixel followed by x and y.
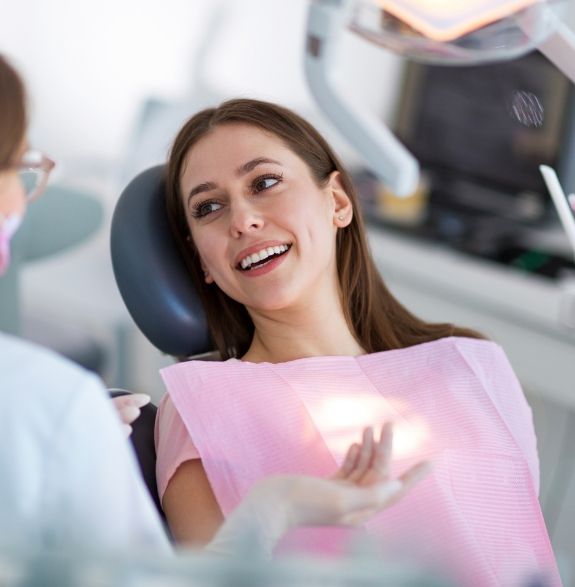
pixel 264 230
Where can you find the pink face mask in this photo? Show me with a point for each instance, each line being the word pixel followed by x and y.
pixel 8 228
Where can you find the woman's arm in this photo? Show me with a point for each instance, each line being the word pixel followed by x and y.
pixel 191 509
pixel 189 503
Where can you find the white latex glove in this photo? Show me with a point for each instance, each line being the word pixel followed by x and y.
pixel 361 488
pixel 128 408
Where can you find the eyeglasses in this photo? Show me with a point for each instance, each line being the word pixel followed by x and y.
pixel 34 170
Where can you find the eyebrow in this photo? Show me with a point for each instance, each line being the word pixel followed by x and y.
pixel 241 170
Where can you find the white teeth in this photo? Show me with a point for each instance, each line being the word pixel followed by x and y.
pixel 262 255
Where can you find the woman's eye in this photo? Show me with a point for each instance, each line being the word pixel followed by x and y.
pixel 202 209
pixel 265 183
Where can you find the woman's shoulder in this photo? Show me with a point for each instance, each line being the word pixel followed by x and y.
pixel 461 342
pixel 199 368
pixel 466 345
pixel 480 351
pixel 197 372
pixel 483 360
pixel 440 350
pixel 458 358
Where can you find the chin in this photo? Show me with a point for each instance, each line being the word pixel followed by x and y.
pixel 271 302
pixel 267 306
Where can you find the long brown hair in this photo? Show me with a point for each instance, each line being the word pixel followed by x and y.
pixel 12 113
pixel 378 321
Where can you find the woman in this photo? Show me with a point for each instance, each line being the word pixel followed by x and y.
pixel 314 344
pixel 68 477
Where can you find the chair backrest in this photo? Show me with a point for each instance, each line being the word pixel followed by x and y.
pixel 150 272
pixel 157 290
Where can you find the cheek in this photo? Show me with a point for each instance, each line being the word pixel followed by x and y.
pixel 308 209
pixel 210 250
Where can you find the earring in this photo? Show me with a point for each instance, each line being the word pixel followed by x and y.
pixel 340 217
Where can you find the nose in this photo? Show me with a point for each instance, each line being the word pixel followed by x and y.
pixel 244 218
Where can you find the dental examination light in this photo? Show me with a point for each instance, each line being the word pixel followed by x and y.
pixel 446 32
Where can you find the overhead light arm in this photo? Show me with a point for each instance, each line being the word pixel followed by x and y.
pixel 560 50
pixel 382 151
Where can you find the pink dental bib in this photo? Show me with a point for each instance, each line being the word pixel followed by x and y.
pixel 455 401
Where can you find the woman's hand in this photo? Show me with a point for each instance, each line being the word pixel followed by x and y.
pixel 128 408
pixel 361 487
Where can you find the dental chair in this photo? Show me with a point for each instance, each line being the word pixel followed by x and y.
pixel 157 290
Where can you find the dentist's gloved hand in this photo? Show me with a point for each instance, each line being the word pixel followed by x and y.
pixel 361 488
pixel 128 408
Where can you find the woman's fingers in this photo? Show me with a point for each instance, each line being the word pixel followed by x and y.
pixel 128 407
pixel 127 429
pixel 383 451
pixel 137 400
pixel 369 463
pixel 349 462
pixel 362 503
pixel 379 465
pixel 129 414
pixel 366 456
pixel 411 478
pixel 415 474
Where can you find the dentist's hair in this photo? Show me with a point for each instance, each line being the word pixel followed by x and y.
pixel 378 321
pixel 12 113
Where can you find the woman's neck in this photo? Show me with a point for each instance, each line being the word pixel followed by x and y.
pixel 307 331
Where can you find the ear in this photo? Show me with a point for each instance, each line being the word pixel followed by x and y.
pixel 342 207
pixel 207 277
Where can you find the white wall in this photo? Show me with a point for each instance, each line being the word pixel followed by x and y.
pixel 90 65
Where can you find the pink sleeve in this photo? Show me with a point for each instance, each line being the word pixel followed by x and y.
pixel 173 443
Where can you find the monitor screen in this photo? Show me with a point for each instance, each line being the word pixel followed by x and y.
pixel 492 124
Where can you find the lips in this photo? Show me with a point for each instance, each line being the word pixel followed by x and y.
pixel 260 254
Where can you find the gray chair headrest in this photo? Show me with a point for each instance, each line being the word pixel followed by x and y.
pixel 150 272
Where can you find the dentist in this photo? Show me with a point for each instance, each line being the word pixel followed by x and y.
pixel 67 474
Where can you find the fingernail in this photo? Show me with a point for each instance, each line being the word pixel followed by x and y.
pixel 140 399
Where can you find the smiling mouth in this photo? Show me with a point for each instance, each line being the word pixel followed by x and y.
pixel 255 263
